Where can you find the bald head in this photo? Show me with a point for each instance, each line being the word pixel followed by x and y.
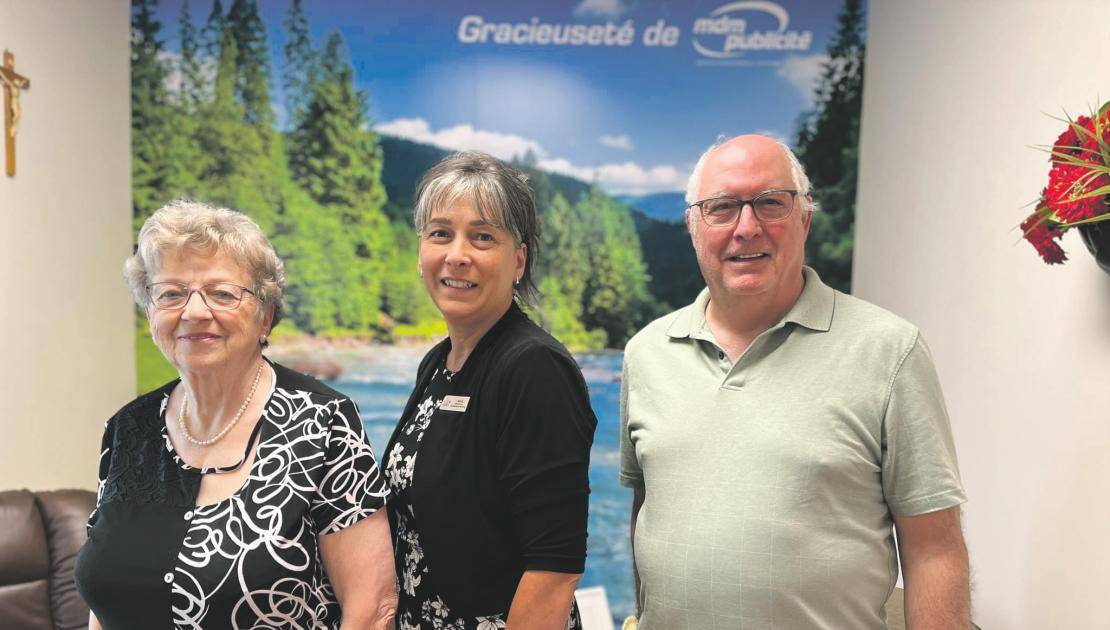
pixel 760 149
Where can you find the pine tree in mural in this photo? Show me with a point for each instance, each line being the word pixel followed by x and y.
pixel 252 63
pixel 150 112
pixel 334 156
pixel 827 146
pixel 317 254
pixel 209 43
pixel 564 272
pixel 300 70
pixel 615 298
pixel 350 269
pixel 227 147
pixel 240 160
pixel 192 80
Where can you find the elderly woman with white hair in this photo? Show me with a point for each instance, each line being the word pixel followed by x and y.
pixel 243 494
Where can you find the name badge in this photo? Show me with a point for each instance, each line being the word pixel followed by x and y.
pixel 454 403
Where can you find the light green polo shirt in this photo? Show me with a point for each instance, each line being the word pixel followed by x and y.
pixel 771 483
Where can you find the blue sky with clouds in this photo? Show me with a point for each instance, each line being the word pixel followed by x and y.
pixel 635 117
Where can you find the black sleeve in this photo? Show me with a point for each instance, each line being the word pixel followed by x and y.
pixel 543 451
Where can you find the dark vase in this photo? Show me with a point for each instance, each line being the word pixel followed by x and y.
pixel 1097 238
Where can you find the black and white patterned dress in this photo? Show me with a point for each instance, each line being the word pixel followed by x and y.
pixel 156 559
pixel 421 607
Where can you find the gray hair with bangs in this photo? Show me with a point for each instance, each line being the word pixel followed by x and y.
pixel 501 195
pixel 184 225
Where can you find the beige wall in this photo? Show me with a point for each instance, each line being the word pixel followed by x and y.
pixel 66 342
pixel 955 94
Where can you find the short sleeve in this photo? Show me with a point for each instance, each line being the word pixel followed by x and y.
pixel 102 472
pixel 351 487
pixel 543 450
pixel 919 468
pixel 631 475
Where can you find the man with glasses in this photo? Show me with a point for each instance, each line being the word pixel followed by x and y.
pixel 775 432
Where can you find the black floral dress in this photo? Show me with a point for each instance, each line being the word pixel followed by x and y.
pixel 421 606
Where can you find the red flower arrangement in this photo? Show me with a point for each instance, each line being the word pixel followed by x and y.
pixel 1078 184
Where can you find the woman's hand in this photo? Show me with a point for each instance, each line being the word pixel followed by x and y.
pixel 359 562
pixel 542 601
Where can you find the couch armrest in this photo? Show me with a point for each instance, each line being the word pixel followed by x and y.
pixel 64 514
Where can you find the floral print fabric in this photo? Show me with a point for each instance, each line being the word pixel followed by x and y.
pixel 421 607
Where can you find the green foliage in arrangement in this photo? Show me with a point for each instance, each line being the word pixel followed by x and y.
pixel 336 198
pixel 827 145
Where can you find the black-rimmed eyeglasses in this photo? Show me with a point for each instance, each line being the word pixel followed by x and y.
pixel 769 206
pixel 218 296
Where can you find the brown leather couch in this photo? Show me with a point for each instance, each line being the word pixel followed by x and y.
pixel 40 533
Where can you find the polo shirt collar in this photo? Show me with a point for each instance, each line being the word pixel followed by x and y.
pixel 691 320
pixel 813 309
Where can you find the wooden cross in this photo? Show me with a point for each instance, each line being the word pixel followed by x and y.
pixel 13 83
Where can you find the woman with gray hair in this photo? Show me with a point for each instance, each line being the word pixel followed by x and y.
pixel 489 465
pixel 242 494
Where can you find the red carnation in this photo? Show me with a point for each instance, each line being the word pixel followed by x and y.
pixel 1064 187
pixel 1043 237
pixel 1077 184
pixel 1068 140
pixel 1067 180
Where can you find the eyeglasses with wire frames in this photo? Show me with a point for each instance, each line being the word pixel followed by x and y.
pixel 769 206
pixel 217 296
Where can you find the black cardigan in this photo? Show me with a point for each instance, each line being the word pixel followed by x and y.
pixel 503 487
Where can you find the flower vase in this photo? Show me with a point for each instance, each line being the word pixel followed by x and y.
pixel 1097 238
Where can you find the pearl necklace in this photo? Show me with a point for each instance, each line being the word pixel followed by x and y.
pixel 234 421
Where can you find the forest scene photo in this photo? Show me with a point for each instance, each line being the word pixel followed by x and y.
pixel 335 195
pixel 317 119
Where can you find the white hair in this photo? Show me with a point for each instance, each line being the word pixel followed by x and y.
pixel 184 225
pixel 797 172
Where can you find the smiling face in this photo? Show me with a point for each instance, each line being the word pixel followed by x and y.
pixel 469 266
pixel 750 258
pixel 197 339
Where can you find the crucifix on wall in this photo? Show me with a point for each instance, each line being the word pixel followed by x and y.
pixel 13 84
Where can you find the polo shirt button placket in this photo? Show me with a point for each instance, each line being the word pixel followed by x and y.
pixel 722 360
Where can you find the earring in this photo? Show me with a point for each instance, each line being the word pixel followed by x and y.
pixel 420 270
pixel 516 282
